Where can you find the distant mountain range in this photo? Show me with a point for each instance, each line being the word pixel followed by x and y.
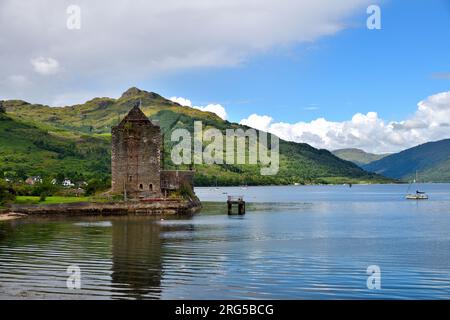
pixel 75 141
pixel 358 156
pixel 431 160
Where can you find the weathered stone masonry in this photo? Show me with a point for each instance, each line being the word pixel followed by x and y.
pixel 136 159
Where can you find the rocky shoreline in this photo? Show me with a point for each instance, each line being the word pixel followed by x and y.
pixel 151 208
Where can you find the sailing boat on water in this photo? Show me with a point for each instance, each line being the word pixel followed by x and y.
pixel 419 195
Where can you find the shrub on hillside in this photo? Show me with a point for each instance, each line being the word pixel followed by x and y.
pixel 7 194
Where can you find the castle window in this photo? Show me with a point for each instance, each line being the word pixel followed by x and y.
pixel 150 186
pixel 141 186
pixel 130 178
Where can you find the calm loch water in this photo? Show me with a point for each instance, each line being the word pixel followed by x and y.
pixel 294 243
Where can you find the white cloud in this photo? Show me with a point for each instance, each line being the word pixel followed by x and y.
pixel 218 109
pixel 258 122
pixel 182 101
pixel 119 43
pixel 215 108
pixel 311 108
pixel 45 66
pixel 368 131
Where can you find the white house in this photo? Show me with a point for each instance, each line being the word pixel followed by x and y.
pixel 67 183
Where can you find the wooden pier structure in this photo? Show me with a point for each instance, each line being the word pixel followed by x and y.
pixel 236 200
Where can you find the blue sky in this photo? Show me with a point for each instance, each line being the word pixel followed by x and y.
pixel 357 70
pixel 307 71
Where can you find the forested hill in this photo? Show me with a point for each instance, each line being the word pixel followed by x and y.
pixel 75 141
pixel 358 156
pixel 431 160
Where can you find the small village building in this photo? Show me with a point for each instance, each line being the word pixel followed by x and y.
pixel 33 180
pixel 67 183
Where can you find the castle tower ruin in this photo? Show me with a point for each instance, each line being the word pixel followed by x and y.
pixel 136 160
pixel 136 156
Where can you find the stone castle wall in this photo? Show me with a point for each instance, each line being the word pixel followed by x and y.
pixel 136 159
pixel 174 179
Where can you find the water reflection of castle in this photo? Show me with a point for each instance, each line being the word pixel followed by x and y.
pixel 136 257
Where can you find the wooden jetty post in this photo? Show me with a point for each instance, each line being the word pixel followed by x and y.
pixel 239 200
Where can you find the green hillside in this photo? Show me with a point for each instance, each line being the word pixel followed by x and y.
pixel 38 139
pixel 357 156
pixel 27 149
pixel 431 160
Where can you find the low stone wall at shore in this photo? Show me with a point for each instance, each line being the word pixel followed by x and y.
pixel 169 207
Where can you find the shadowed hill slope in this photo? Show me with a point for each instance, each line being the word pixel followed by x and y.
pixel 431 160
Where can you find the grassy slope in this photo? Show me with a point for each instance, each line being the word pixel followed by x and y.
pixel 51 200
pixel 30 149
pixel 432 160
pixel 358 156
pixel 93 120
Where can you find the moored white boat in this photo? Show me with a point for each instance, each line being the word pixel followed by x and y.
pixel 419 195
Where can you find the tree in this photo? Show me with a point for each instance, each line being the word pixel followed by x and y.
pixel 60 178
pixel 46 187
pixel 6 192
pixel 42 197
pixel 96 185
